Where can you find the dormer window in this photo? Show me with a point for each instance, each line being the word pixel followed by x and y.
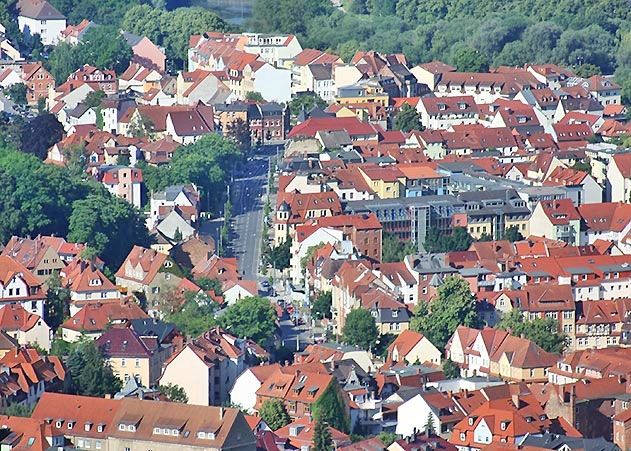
pixel 87 426
pixel 442 106
pixel 59 423
pixel 70 424
pixel 100 428
pixel 462 106
pixel 504 425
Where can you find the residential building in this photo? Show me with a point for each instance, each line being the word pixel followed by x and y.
pixel 133 356
pixel 207 367
pixel 556 220
pixel 619 177
pixel 40 255
pixel 18 285
pixel 26 328
pixel 441 113
pixel 39 17
pixel 243 392
pixel 84 420
pixel 413 347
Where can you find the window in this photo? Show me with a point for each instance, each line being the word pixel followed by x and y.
pixel 123 362
pixel 137 363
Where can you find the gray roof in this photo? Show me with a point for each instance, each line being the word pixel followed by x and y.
pixel 556 441
pixel 335 139
pixel 131 39
pixel 173 221
pixel 321 71
pixel 151 327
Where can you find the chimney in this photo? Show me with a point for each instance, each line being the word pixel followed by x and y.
pixel 221 412
pixel 515 398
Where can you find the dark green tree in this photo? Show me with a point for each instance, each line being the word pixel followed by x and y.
pixel 274 414
pixel 104 47
pixel 18 410
pixel 239 132
pixel 513 234
pixel 454 306
pixel 458 240
pixel 109 225
pixel 251 317
pixel 407 119
pixel 306 101
pixel 174 393
pixel 89 372
pixel 280 256
pixel 387 438
pixel 429 424
pixel 330 409
pixel 94 99
pixel 450 369
pixel 544 332
pixel 289 16
pixel 62 61
pixel 254 96
pixel 17 93
pixel 467 59
pixel 485 237
pixel 39 134
pixel 360 329
pixel 587 70
pixel 322 440
pixel 321 307
pixel 194 316
pixel 395 250
pixel 208 284
pixel 57 307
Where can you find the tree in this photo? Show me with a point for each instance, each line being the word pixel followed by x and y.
pixel 177 235
pixel 485 237
pixel 395 250
pixel 251 317
pixel 429 424
pixel 111 226
pixel 322 440
pixel 280 256
pixel 94 99
pixel 311 252
pixel 104 47
pixel 587 70
pixel 57 307
pixel 62 61
pixel 39 134
pixel 172 29
pixel 287 16
pixel 454 306
pixel 174 393
pixel 467 59
pixel 458 240
pixel 407 119
pixel 208 284
pixel 306 101
pixel 89 372
pixel 17 93
pixel 41 106
pixel 451 370
pixel 360 329
pixel 193 315
pixel 513 234
pixel 239 132
pixel 18 410
pixel 387 438
pixel 544 332
pixel 321 307
pixel 274 414
pixel 253 96
pixel 330 409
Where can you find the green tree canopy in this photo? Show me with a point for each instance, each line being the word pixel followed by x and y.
pixel 395 250
pixel 17 93
pixel 467 59
pixel 451 370
pixel 407 119
pixel 174 393
pixel 513 234
pixel 454 306
pixel 195 316
pixel 89 372
pixel 251 317
pixel 330 409
pixel 458 240
pixel 321 306
pixel 274 414
pixel 172 29
pixel 360 329
pixel 38 134
pixel 322 440
pixel 544 332
pixel 306 101
pixel 109 225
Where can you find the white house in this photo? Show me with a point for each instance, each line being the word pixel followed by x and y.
pixel 41 18
pixel 243 392
pixel 272 83
pixel 414 413
pixel 234 290
pixel 619 178
pixel 25 327
pixel 300 247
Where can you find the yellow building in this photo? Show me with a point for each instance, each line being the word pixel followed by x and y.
pixel 386 182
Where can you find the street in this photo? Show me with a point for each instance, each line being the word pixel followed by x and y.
pixel 248 197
